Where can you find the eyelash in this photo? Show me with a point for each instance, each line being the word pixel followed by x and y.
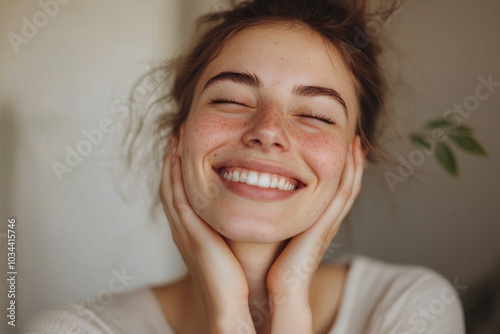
pixel 319 117
pixel 316 116
pixel 223 101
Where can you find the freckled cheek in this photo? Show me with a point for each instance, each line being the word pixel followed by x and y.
pixel 325 154
pixel 206 132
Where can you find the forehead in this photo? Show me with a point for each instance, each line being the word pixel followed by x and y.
pixel 285 55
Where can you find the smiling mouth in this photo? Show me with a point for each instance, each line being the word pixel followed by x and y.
pixel 259 179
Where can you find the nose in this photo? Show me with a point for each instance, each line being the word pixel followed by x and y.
pixel 268 131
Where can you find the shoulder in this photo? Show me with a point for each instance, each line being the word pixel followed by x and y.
pixel 132 312
pixel 67 318
pixel 401 298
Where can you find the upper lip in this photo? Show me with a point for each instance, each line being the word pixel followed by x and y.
pixel 261 166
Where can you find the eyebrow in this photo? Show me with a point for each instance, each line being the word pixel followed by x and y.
pixel 313 91
pixel 253 80
pixel 237 77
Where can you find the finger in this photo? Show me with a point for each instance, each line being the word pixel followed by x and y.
pixel 327 225
pixel 165 173
pixel 340 203
pixel 313 242
pixel 189 219
pixel 179 198
pixel 166 191
pixel 344 190
pixel 359 162
pixel 323 230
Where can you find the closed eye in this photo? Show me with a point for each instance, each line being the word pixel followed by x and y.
pixel 227 101
pixel 322 118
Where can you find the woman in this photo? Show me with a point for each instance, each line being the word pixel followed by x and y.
pixel 276 108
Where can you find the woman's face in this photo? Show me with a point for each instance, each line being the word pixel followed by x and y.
pixel 264 146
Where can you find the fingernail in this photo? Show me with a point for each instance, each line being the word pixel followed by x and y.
pixel 173 159
pixel 350 147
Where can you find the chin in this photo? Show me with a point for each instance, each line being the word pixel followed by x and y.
pixel 243 232
pixel 256 228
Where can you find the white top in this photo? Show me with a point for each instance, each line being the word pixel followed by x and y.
pixel 378 298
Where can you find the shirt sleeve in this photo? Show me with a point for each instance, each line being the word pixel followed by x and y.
pixel 67 319
pixel 425 303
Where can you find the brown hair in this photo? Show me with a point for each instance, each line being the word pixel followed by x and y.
pixel 339 22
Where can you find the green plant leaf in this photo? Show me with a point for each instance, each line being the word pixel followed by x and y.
pixel 463 129
pixel 446 159
pixel 438 123
pixel 421 141
pixel 469 144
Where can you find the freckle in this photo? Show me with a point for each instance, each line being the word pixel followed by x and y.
pixel 222 228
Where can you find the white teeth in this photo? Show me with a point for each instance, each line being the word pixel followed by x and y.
pixel 262 180
pixel 243 177
pixel 253 179
pixel 236 176
pixel 274 183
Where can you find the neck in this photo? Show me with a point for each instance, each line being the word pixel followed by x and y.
pixel 256 260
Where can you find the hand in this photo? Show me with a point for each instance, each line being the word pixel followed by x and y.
pixel 304 252
pixel 210 261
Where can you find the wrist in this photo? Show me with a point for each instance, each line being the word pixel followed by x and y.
pixel 288 304
pixel 233 321
pixel 289 298
pixel 228 315
pixel 292 318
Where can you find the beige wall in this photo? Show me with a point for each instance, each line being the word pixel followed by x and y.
pixel 442 47
pixel 75 234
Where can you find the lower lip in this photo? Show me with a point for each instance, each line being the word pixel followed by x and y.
pixel 254 192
